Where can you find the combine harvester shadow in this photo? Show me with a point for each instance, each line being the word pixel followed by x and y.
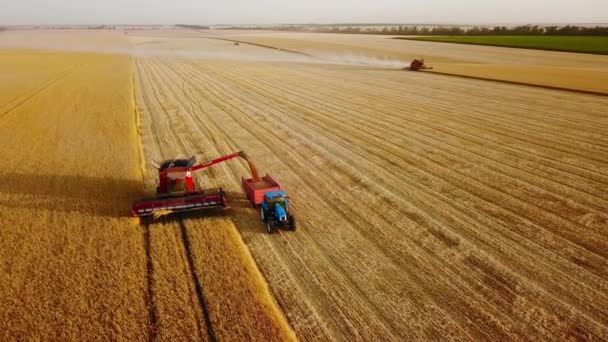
pixel 86 195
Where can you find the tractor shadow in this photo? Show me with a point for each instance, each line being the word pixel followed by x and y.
pixel 93 196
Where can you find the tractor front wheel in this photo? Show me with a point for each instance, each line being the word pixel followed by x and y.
pixel 262 214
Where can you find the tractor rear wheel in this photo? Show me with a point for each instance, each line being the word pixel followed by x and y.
pixel 291 223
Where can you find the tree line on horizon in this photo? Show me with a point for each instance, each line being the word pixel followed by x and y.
pixel 405 30
pixel 524 30
pixel 194 27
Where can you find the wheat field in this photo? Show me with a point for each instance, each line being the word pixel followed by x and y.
pixel 429 207
pixel 73 265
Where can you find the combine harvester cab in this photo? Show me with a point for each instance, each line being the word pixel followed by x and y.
pixel 176 191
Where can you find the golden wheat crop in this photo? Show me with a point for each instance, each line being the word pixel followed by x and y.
pixel 73 264
pixel 429 207
pixel 238 299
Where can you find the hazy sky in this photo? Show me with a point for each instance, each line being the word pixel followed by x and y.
pixel 299 11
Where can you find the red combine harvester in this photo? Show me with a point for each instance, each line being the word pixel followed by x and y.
pixel 417 65
pixel 176 191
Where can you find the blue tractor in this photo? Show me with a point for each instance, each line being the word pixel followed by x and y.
pixel 274 211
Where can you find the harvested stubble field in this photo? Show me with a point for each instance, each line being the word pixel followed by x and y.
pixel 429 207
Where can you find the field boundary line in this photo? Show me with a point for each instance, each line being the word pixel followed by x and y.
pixel 228 40
pixel 262 45
pixel 542 86
pixel 152 309
pixel 508 46
pixel 137 117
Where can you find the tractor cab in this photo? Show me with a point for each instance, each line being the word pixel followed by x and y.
pixel 276 197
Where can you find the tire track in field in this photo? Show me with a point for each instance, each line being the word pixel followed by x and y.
pixel 232 41
pixel 152 309
pixel 200 294
pixel 36 88
pixel 45 85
